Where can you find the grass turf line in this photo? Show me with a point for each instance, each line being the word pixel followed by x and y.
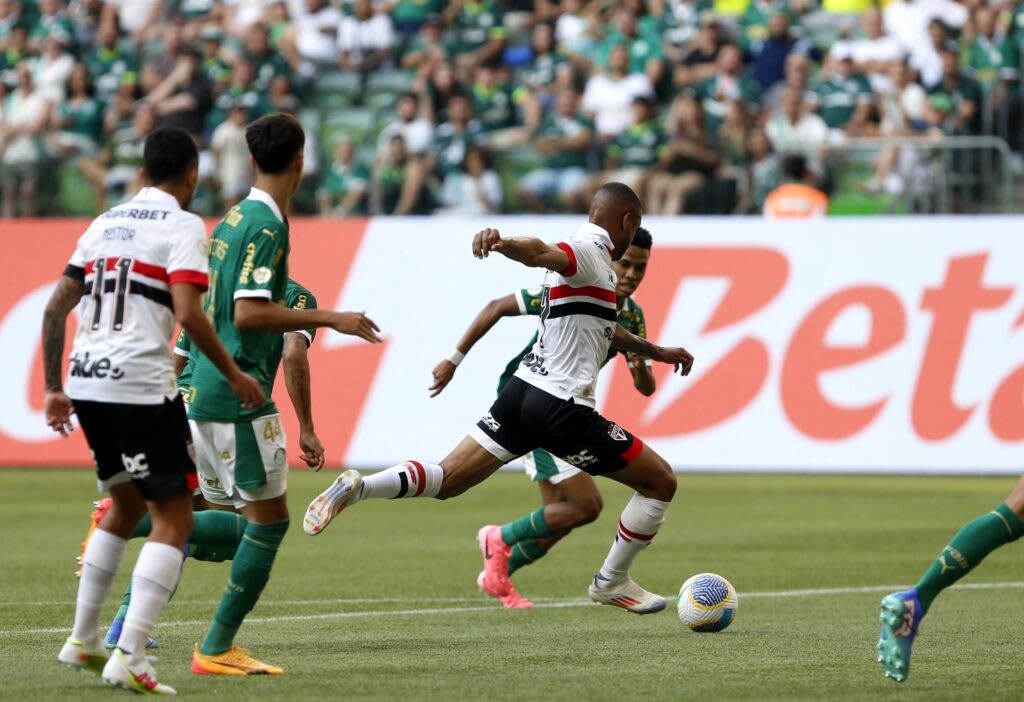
pixel 765 533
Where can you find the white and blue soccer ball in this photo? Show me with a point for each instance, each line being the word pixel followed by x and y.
pixel 707 602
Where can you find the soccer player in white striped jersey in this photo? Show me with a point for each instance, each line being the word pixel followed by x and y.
pixel 138 269
pixel 549 404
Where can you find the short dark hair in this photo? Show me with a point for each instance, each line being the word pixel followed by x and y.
pixel 622 195
pixel 794 166
pixel 642 239
pixel 275 141
pixel 410 95
pixel 168 155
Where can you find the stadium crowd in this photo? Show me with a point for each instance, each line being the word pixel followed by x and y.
pixel 479 106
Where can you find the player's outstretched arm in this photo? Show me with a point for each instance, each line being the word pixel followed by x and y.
pixel 487 317
pixel 643 377
pixel 189 314
pixel 259 314
pixel 631 343
pixel 295 360
pixel 56 405
pixel 522 249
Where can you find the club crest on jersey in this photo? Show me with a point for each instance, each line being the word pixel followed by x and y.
pixel 616 432
pixel 262 275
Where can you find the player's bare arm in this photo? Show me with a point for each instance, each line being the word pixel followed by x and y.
pixel 630 343
pixel 263 315
pixel 526 250
pixel 487 317
pixel 57 405
pixel 179 364
pixel 643 376
pixel 188 312
pixel 295 360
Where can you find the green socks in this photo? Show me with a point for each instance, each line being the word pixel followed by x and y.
pixel 213 529
pixel 972 543
pixel 532 526
pixel 250 572
pixel 524 553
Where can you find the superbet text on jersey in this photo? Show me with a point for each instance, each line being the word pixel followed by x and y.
pixel 129 257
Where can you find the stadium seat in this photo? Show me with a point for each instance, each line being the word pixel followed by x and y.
pixel 355 122
pixel 389 82
pixel 339 83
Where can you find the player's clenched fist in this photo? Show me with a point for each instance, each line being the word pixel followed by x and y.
pixel 680 357
pixel 486 241
pixel 356 324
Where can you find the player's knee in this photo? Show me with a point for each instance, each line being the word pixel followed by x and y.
pixel 665 484
pixel 588 509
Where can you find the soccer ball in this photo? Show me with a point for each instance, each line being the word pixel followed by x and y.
pixel 707 602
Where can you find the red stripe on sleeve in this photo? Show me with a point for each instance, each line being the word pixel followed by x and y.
pixel 148 270
pixel 571 270
pixel 421 478
pixel 560 291
pixel 633 452
pixel 197 278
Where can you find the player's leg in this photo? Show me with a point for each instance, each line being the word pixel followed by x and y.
pixel 902 611
pixel 106 544
pixel 655 484
pixel 254 469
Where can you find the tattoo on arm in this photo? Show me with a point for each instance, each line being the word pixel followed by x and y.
pixel 65 297
pixel 297 377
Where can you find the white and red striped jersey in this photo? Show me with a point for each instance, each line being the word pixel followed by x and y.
pixel 577 320
pixel 129 257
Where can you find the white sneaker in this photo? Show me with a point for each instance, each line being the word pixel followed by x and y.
pixel 343 492
pixel 141 678
pixel 83 656
pixel 625 594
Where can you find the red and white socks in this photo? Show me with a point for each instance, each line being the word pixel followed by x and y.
pixel 100 563
pixel 638 525
pixel 409 479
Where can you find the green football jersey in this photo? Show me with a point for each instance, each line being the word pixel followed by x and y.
pixel 248 258
pixel 631 318
pixel 838 98
pixel 296 297
pixel 639 146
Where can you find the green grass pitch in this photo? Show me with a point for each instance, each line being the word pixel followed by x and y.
pixel 383 605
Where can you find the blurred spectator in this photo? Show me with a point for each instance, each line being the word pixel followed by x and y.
pixel 609 96
pixel 365 39
pixel 563 141
pixel 756 21
pixel 240 90
pixel 53 22
pixel 764 169
pixel 479 32
pixel 452 138
pixel 907 21
pixel 687 162
pixel 927 59
pixel 214 67
pixel 115 170
pixel 903 112
pixel 770 53
pixel 635 151
pixel 183 98
pixel 473 190
pixel 10 17
pixel 25 116
pixel 644 49
pixel 110 64
pixel 547 70
pixel 416 131
pixel 346 182
pixel 791 130
pixel 699 59
pixel 78 119
pixel 874 54
pixel 439 91
pixel 52 68
pixel 16 53
pixel 231 154
pixel 410 15
pixel 240 15
pixel 797 197
pixel 428 48
pixel 953 103
pixel 729 84
pixel 397 186
pixel 495 103
pixel 843 97
pixel 990 59
pixel 315 24
pixel 197 16
pixel 267 63
pixel 138 18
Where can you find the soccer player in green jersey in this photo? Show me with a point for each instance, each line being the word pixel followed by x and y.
pixel 217 534
pixel 243 450
pixel 570 497
pixel 902 611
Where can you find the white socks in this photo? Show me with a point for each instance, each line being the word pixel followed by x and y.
pixel 102 558
pixel 409 479
pixel 638 524
pixel 153 580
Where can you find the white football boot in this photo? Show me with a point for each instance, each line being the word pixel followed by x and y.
pixel 343 492
pixel 625 594
pixel 140 678
pixel 83 656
